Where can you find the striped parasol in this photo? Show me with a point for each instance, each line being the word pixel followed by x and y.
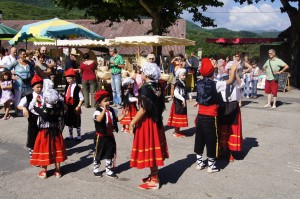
pixel 53 29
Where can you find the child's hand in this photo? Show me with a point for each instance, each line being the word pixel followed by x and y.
pixel 183 104
pixel 196 104
pixel 130 129
pixel 25 112
pixel 170 98
pixel 78 110
pixel 126 110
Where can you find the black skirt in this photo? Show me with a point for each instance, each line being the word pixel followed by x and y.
pixel 32 130
pixel 105 147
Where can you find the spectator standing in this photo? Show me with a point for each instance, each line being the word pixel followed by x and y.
pixel 255 72
pixel 71 62
pixel 9 59
pixel 116 63
pixel 193 63
pixel 89 82
pixel 273 69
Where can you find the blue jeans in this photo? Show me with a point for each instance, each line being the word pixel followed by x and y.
pixel 254 88
pixel 116 88
pixel 247 86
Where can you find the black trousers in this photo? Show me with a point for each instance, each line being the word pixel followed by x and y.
pixel 206 135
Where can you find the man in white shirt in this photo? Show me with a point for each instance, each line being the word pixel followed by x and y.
pixel 9 59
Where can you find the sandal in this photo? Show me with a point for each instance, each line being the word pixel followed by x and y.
pixel 57 174
pixel 231 158
pixel 147 179
pixel 43 174
pixel 147 186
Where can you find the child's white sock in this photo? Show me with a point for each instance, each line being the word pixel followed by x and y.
pixel 109 166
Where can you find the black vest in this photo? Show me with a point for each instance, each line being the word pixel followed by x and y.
pixel 179 109
pixel 75 94
pixel 207 93
pixel 101 126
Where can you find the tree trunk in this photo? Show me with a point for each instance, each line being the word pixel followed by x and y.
pixel 157 30
pixel 295 50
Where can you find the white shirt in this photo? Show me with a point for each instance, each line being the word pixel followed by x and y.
pixel 96 113
pixel 24 102
pixel 255 72
pixel 6 61
pixel 81 98
pixel 236 94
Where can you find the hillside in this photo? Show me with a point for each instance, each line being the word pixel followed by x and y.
pixel 17 10
pixel 199 35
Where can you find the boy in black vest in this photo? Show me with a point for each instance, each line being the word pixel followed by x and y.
pixel 73 99
pixel 208 97
pixel 37 96
pixel 105 121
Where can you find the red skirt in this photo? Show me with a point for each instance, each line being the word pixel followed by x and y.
pixel 130 115
pixel 177 120
pixel 231 135
pixel 48 150
pixel 149 147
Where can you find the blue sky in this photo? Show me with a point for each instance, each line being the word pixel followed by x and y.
pixel 262 16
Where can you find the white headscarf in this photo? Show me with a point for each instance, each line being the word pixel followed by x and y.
pixel 179 72
pixel 51 96
pixel 127 80
pixel 151 70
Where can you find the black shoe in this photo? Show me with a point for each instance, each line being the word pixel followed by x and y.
pixel 78 139
pixel 69 138
pixel 113 175
pixel 98 174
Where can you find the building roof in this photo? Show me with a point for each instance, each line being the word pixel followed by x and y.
pixel 122 29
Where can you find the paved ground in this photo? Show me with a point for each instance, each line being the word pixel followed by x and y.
pixel 269 166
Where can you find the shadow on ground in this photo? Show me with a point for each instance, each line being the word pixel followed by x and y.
pixel 173 172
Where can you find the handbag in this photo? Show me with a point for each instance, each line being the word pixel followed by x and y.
pixel 276 76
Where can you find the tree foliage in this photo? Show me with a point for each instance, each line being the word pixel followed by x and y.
pixel 14 10
pixel 163 12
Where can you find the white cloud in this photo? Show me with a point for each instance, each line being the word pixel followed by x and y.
pixel 237 17
pixel 252 17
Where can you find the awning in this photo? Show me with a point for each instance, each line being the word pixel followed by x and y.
pixel 153 41
pixel 83 43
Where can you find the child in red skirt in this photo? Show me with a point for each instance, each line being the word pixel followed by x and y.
pixel 178 114
pixel 105 121
pixel 129 101
pixel 149 147
pixel 49 145
pixel 231 119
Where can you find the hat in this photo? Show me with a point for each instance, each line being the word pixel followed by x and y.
pixel 51 96
pixel 207 68
pixel 36 80
pixel 179 72
pixel 100 95
pixel 74 52
pixel 70 73
pixel 150 56
pixel 127 80
pixel 151 70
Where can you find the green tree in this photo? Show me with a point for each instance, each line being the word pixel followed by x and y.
pixel 163 13
pixel 292 8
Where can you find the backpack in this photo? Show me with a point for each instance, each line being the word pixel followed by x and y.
pixel 206 91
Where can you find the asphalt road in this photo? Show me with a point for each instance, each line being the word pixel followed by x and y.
pixel 268 167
